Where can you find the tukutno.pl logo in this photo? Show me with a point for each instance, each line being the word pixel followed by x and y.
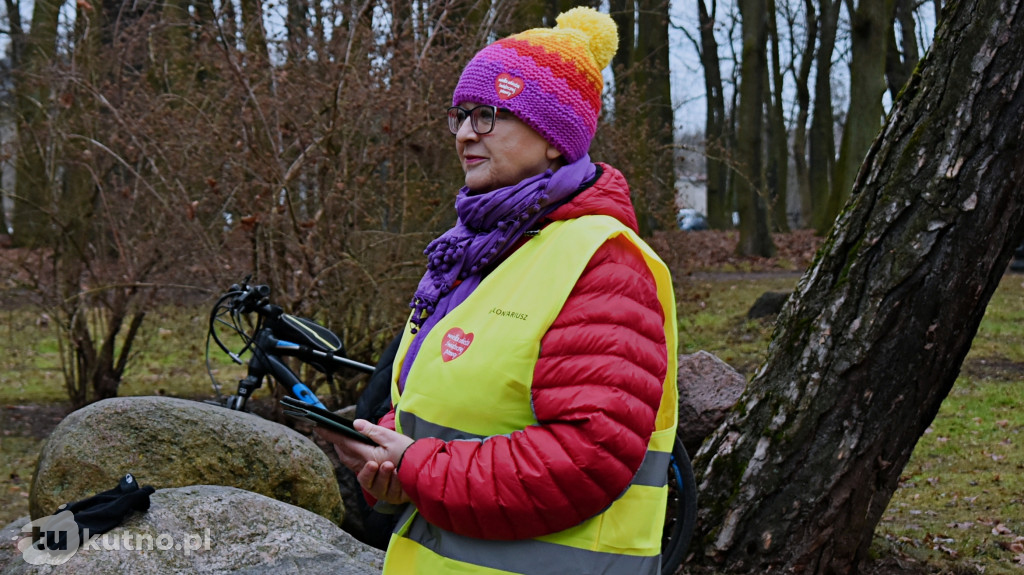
pixel 50 540
pixel 54 540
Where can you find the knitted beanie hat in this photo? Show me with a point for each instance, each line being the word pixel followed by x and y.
pixel 549 78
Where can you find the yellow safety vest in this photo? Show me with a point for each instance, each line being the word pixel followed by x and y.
pixel 471 380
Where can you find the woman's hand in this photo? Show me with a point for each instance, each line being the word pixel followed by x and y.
pixel 382 482
pixel 375 466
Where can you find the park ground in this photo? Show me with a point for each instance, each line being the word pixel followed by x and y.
pixel 960 505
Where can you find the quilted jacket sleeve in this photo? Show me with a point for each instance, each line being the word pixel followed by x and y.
pixel 596 390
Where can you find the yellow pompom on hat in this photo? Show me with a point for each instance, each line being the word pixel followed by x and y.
pixel 549 77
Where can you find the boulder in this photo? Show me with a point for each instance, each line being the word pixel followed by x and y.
pixel 167 442
pixel 208 529
pixel 708 389
pixel 770 303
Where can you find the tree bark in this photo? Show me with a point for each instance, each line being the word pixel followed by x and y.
pixel 901 53
pixel 33 186
pixel 254 35
pixel 873 339
pixel 643 105
pixel 176 56
pixel 653 58
pixel 755 239
pixel 16 33
pixel 822 147
pixel 297 27
pixel 623 13
pixel 716 125
pixel 869 28
pixel 777 172
pixel 803 100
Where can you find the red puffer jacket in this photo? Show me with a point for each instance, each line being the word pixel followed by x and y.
pixel 596 389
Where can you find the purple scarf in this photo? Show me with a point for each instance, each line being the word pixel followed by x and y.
pixel 488 226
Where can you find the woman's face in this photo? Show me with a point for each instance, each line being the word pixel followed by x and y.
pixel 510 153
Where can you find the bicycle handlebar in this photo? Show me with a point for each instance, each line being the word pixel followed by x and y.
pixel 246 297
pixel 272 338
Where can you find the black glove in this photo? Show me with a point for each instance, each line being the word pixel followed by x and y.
pixel 100 513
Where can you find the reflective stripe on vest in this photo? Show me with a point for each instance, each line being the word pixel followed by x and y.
pixel 652 471
pixel 497 331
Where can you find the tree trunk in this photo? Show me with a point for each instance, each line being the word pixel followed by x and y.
pixel 803 100
pixel 643 105
pixel 777 172
pixel 716 149
pixel 653 57
pixel 798 476
pixel 254 35
pixel 33 186
pixel 755 239
pixel 869 28
pixel 623 13
pixel 822 148
pixel 16 34
pixel 297 28
pixel 901 55
pixel 176 56
pixel 204 13
pixel 556 7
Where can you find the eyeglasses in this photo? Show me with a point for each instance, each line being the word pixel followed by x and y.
pixel 481 118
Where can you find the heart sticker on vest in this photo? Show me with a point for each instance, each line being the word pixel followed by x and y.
pixel 508 86
pixel 455 343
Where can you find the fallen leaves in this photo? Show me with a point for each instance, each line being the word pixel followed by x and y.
pixel 689 252
pixel 1015 546
pixel 1001 529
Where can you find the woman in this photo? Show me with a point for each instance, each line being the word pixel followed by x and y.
pixel 534 387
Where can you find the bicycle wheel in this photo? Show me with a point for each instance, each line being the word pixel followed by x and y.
pixel 681 515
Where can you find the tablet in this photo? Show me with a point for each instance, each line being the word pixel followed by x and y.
pixel 323 418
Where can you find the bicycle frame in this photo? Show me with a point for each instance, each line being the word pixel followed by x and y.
pixel 266 360
pixel 279 335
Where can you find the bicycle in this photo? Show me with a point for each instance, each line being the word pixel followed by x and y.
pixel 277 334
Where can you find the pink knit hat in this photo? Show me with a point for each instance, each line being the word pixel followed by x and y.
pixel 549 77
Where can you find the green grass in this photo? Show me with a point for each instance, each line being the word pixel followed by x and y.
pixel 960 504
pixel 712 317
pixel 16 468
pixel 167 359
pixel 171 358
pixel 30 368
pixel 961 496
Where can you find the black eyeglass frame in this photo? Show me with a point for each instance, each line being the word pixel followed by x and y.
pixel 455 121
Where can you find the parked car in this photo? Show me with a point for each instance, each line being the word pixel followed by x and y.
pixel 690 219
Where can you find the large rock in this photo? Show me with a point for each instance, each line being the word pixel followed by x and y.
pixel 770 303
pixel 209 529
pixel 708 389
pixel 166 442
